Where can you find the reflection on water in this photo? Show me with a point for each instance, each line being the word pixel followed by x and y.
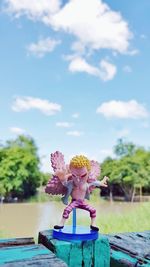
pixel 27 219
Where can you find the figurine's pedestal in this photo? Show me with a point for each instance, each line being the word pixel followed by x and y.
pixel 75 234
pixel 91 253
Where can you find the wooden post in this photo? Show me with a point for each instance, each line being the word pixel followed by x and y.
pixel 93 253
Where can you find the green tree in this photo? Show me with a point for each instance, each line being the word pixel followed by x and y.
pixel 19 167
pixel 108 168
pixel 44 178
pixel 130 171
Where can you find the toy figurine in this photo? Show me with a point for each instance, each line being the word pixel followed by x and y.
pixel 77 180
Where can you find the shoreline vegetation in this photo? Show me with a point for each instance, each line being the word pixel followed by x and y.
pixel 112 217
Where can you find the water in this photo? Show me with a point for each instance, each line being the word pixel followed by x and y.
pixel 27 219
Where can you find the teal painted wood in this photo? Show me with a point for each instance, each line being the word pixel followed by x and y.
pixel 30 255
pixel 16 253
pixel 62 251
pixel 102 247
pixel 120 259
pixel 75 255
pixel 88 253
pixel 42 262
pixel 130 249
pixel 94 253
pixel 16 241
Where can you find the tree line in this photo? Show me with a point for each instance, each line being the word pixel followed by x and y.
pixel 129 171
pixel 20 175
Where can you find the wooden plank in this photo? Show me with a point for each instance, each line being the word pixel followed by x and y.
pixel 130 249
pixel 120 259
pixel 136 244
pixel 44 261
pixel 81 253
pixel 16 242
pixel 30 255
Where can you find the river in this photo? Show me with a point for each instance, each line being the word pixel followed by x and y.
pixel 27 219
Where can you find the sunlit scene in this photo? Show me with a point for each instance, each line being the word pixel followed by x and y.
pixel 75 126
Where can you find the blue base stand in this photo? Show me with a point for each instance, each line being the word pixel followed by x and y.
pixel 79 233
pixel 75 233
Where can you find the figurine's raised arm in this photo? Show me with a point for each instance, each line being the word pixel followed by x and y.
pixel 60 169
pixel 104 182
pixel 54 185
pixel 93 176
pixel 63 175
pixel 59 184
pixel 96 183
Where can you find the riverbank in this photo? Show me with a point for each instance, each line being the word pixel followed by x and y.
pixel 27 219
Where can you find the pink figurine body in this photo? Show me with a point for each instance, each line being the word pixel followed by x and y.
pixel 76 180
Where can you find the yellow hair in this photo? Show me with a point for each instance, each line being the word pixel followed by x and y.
pixel 80 161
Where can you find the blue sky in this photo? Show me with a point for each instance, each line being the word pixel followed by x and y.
pixel 74 74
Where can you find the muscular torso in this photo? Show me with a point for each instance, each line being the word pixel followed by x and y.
pixel 79 191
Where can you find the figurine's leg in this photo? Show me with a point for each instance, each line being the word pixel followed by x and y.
pixel 65 215
pixel 68 209
pixel 92 211
pixel 61 225
pixel 93 227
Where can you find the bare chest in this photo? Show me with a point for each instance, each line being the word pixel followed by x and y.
pixel 79 191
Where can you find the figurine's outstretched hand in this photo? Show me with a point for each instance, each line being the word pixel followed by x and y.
pixel 104 182
pixel 63 175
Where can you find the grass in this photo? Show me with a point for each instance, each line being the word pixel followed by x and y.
pixel 136 219
pixel 2 234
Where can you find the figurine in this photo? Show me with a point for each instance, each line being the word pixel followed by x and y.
pixel 77 180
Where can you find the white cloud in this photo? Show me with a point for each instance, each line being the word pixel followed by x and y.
pixel 92 22
pixel 27 103
pixel 94 25
pixel 119 109
pixel 33 9
pixel 75 115
pixel 75 133
pixel 78 47
pixel 105 72
pixel 127 69
pixel 80 65
pixel 64 124
pixel 42 47
pixel 17 130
